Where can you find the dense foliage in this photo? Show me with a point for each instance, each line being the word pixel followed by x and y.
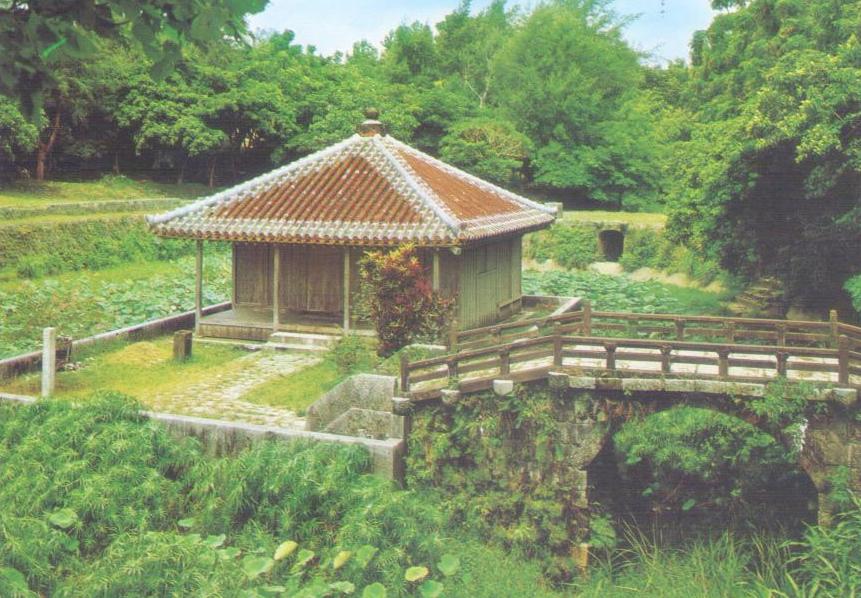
pixel 97 501
pixel 89 304
pixel 766 169
pixel 397 297
pixel 228 110
pixel 619 293
pixel 38 250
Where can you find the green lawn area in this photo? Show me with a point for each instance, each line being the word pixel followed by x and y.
pixel 630 218
pixel 62 218
pixel 34 194
pixel 142 369
pixel 297 391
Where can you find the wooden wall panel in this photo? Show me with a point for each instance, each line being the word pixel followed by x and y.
pixel 253 274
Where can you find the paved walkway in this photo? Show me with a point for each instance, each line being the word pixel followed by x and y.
pixel 220 397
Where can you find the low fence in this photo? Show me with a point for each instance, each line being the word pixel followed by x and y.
pixel 657 345
pixel 31 362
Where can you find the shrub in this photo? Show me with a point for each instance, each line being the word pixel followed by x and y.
pixel 352 353
pixel 396 296
pixel 699 460
pixel 853 287
pixel 568 246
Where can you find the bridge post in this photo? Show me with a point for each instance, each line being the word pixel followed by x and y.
pixel 452 335
pixel 557 350
pixel 451 364
pixel 781 335
pixel 723 362
pixel 843 359
pixel 610 348
pixel 680 329
pixel 835 326
pixel 405 373
pixel 587 318
pixel 666 363
pixel 504 362
pixel 730 331
pixel 782 358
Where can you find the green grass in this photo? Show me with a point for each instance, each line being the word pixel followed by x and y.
pixel 298 390
pixel 143 370
pixel 83 303
pixel 619 293
pixel 630 218
pixel 34 194
pixel 62 218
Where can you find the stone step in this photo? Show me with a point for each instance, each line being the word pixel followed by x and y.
pixel 296 347
pixel 303 338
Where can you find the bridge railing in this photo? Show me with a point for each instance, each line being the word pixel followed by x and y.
pixel 531 358
pixel 587 322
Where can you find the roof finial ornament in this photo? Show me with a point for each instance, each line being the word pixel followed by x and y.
pixel 371 125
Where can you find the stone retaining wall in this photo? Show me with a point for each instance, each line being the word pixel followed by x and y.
pixel 220 438
pixel 31 362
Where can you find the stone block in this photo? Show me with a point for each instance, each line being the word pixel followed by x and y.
pixel 745 389
pixel 829 442
pixel 503 387
pixel 642 385
pixel 608 383
pixel 712 387
pixel 581 382
pixel 688 386
pixel 557 380
pixel 845 396
pixel 449 396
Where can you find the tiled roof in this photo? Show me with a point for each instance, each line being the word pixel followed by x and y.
pixel 368 190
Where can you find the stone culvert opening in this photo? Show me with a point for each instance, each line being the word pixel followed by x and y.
pixel 611 243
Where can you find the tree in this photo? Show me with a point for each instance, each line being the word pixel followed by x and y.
pixel 468 45
pixel 570 83
pixel 17 137
pixel 490 148
pixel 34 36
pixel 396 295
pixel 771 170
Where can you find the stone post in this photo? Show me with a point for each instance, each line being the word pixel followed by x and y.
pixel 182 345
pixel 49 361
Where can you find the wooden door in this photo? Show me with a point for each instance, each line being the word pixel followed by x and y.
pixel 315 279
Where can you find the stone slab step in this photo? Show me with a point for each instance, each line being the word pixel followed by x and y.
pixel 295 347
pixel 303 338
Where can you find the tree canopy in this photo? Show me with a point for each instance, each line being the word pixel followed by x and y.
pixel 752 145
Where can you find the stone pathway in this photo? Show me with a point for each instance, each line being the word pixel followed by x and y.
pixel 220 397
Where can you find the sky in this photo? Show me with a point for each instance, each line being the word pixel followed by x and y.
pixel 663 28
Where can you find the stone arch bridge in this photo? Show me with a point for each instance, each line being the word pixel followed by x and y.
pixel 601 368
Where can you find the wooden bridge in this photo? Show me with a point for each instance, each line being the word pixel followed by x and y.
pixel 620 345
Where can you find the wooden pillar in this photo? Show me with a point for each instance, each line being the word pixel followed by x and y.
pixel 198 286
pixel 435 271
pixel 835 326
pixel 276 287
pixel 49 361
pixel 346 289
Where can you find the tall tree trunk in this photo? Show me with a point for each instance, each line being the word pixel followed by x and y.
pixel 212 172
pixel 44 148
pixel 116 163
pixel 181 176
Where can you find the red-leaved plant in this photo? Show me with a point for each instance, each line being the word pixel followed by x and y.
pixel 397 297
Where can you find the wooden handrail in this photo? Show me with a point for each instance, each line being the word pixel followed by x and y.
pixel 611 349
